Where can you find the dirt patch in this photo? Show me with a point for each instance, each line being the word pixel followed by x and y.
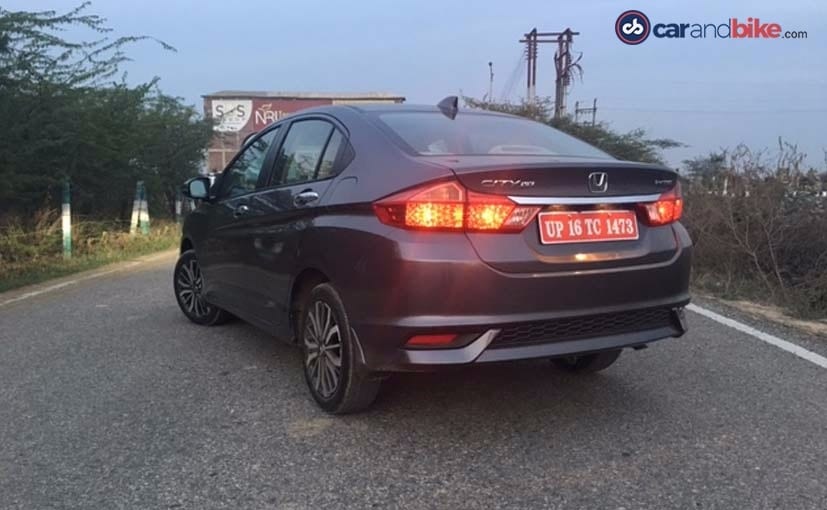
pixel 308 428
pixel 775 314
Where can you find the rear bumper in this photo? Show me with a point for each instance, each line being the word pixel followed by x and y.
pixel 484 350
pixel 413 284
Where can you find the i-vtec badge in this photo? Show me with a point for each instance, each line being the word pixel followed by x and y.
pixel 506 183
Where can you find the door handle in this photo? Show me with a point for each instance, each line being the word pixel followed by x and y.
pixel 305 197
pixel 241 210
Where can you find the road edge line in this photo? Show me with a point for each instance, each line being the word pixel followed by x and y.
pixel 122 266
pixel 782 344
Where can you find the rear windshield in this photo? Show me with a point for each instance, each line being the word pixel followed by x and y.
pixel 432 134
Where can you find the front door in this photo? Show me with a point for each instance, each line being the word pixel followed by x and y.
pixel 226 257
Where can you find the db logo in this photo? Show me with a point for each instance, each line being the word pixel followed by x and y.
pixel 632 27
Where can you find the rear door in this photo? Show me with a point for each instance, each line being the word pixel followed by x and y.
pixel 309 157
pixel 599 193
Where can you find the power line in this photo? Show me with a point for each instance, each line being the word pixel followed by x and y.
pixel 512 78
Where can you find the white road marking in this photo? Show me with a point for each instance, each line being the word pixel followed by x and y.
pixel 760 335
pixel 57 286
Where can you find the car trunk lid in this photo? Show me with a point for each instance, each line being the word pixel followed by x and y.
pixel 569 187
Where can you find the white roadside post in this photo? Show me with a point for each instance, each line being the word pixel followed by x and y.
pixel 144 216
pixel 66 221
pixel 178 206
pixel 136 209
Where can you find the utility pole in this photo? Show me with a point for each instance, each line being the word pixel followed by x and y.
pixel 564 64
pixel 530 40
pixel 594 112
pixel 490 81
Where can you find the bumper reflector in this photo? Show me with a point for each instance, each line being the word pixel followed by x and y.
pixel 431 340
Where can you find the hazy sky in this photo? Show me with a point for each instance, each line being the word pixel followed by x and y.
pixel 706 93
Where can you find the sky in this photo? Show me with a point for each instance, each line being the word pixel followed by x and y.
pixel 708 94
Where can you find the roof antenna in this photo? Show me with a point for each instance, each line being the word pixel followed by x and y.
pixel 449 106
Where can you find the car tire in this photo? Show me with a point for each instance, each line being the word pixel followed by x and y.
pixel 188 284
pixel 587 363
pixel 331 361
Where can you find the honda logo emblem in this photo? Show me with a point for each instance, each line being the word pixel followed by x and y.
pixel 598 182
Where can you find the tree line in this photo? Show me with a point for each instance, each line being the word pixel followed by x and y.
pixel 68 115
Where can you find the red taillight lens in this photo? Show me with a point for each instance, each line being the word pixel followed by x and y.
pixel 448 206
pixel 436 207
pixel 433 215
pixel 431 340
pixel 487 212
pixel 668 208
pixel 440 206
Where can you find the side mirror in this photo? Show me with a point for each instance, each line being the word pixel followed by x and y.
pixel 197 188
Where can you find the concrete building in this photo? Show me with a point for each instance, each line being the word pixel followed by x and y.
pixel 239 113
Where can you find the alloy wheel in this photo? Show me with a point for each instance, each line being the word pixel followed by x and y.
pixel 190 289
pixel 323 350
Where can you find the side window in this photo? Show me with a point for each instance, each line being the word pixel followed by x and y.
pixel 309 151
pixel 329 157
pixel 243 174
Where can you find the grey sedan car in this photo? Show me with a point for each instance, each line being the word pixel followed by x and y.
pixel 409 238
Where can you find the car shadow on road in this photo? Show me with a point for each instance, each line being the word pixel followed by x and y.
pixel 516 393
pixel 515 385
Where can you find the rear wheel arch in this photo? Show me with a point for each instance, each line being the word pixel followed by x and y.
pixel 338 381
pixel 303 284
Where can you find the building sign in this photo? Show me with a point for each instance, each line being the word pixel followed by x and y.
pixel 265 114
pixel 231 115
pixel 235 115
pixel 267 111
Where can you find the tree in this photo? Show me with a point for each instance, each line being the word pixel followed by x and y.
pixel 708 172
pixel 172 146
pixel 64 117
pixel 539 110
pixel 32 53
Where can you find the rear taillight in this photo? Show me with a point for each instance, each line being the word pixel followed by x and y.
pixel 667 209
pixel 449 206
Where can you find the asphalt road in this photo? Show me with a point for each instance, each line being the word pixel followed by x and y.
pixel 110 398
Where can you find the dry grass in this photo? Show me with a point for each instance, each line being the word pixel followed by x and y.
pixel 31 251
pixel 759 233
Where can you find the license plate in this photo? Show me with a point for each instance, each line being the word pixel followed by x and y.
pixel 587 226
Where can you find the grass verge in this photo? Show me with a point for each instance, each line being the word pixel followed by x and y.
pixel 104 247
